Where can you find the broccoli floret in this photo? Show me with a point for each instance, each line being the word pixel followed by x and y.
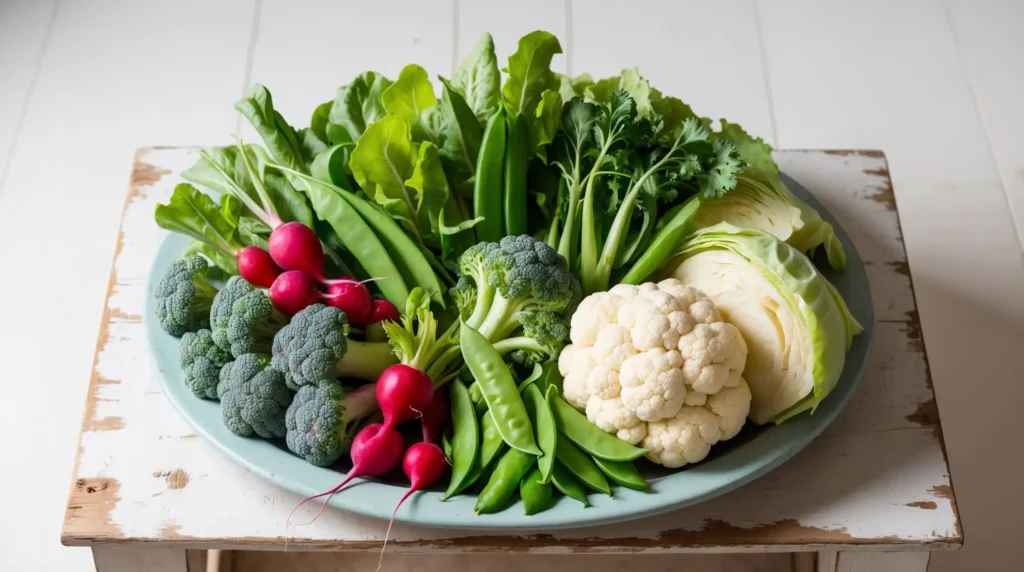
pixel 322 420
pixel 314 349
pixel 253 397
pixel 253 322
pixel 223 307
pixel 517 284
pixel 184 296
pixel 201 362
pixel 544 335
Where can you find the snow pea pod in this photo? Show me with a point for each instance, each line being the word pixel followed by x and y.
pixel 536 493
pixel 516 159
pixel 488 181
pixel 544 426
pixel 504 481
pixel 331 205
pixel 446 446
pixel 492 444
pixel 568 484
pixel 581 465
pixel 465 442
pixel 622 473
pixel 588 437
pixel 499 390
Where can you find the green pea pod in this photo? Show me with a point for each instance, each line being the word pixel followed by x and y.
pixel 536 493
pixel 622 473
pixel 504 481
pixel 568 484
pixel 446 446
pixel 499 390
pixel 465 442
pixel 408 257
pixel 581 465
pixel 516 159
pixel 478 398
pixel 664 243
pixel 488 181
pixel 492 445
pixel 544 425
pixel 588 437
pixel 358 237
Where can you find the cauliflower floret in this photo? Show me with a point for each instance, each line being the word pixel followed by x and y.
pixel 656 364
pixel 731 405
pixel 612 416
pixel 685 438
pixel 575 363
pixel 592 314
pixel 713 353
pixel 653 384
pixel 613 347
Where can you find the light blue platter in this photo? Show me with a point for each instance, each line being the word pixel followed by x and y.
pixel 731 464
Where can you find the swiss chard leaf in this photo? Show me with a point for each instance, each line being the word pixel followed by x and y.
pixel 569 87
pixel 383 160
pixel 462 135
pixel 529 73
pixel 546 124
pixel 431 192
pixel 193 213
pixel 478 79
pixel 321 117
pixel 280 138
pixel 331 166
pixel 356 106
pixel 410 95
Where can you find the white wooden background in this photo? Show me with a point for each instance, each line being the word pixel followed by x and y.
pixel 937 84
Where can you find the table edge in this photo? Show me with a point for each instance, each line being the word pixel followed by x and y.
pixel 713 536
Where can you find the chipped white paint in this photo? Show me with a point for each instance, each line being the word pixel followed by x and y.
pixel 855 487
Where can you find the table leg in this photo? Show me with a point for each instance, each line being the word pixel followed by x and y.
pixel 142 559
pixel 873 561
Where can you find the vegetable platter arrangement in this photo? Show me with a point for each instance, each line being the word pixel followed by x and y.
pixel 506 283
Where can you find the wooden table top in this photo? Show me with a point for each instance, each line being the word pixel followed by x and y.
pixel 877 478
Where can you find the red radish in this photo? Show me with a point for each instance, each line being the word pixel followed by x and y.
pixel 294 246
pixel 424 464
pixel 376 451
pixel 257 267
pixel 381 310
pixel 435 418
pixel 352 298
pixel 403 393
pixel 292 291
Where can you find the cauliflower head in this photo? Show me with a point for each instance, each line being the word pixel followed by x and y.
pixel 657 366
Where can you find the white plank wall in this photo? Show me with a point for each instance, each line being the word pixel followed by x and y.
pixel 936 84
pixel 23 28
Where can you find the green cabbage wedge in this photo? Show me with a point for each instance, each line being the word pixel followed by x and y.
pixel 761 201
pixel 796 325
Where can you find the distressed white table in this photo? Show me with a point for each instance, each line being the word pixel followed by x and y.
pixel 872 493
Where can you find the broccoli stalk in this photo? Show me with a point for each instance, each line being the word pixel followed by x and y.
pixel 253 397
pixel 322 420
pixel 416 343
pixel 184 296
pixel 314 349
pixel 201 361
pixel 516 293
